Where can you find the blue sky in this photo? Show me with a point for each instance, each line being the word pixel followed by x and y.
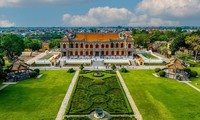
pixel 99 13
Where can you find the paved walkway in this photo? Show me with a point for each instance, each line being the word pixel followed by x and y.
pixel 4 86
pixel 61 112
pixel 95 67
pixel 197 89
pixel 32 60
pixel 137 115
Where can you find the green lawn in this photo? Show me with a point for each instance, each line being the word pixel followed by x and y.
pixel 47 56
pixel 35 99
pixel 196 80
pixel 162 98
pixel 149 56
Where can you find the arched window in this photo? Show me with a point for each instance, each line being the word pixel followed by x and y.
pixel 81 45
pixel 107 46
pixel 86 46
pixel 71 45
pixel 76 45
pixel 112 45
pixel 71 53
pixel 76 53
pixel 122 53
pixel 117 52
pixel 81 53
pixel 129 45
pixel 113 53
pixel 117 45
pixel 91 53
pixel 91 46
pixel 102 52
pixel 97 46
pixel 122 45
pixel 102 46
pixel 64 46
pixel 87 53
pixel 106 52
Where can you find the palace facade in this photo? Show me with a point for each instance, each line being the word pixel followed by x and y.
pixel 103 45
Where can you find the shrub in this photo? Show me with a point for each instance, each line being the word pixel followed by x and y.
pixel 71 70
pixel 37 70
pixel 162 73
pixel 124 70
pixel 157 70
pixel 33 74
pixel 188 70
pixel 113 67
pixel 81 66
pixel 193 73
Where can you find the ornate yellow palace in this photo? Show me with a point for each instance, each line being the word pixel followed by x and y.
pixel 103 45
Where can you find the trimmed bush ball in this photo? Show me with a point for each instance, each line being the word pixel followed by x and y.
pixel 193 73
pixel 71 70
pixel 37 70
pixel 188 70
pixel 33 74
pixel 124 70
pixel 162 73
pixel 157 70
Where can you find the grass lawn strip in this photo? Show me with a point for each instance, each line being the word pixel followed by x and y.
pixel 35 99
pixel 162 98
pixel 149 56
pixel 196 81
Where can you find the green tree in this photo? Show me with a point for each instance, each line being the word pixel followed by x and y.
pixel 34 45
pixel 194 42
pixel 183 56
pixel 12 45
pixel 81 66
pixel 54 43
pixel 177 43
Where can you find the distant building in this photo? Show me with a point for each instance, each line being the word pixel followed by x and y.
pixel 45 46
pixel 109 45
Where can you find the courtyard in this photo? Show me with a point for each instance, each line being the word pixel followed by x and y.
pixel 92 92
pixel 35 99
pixel 162 98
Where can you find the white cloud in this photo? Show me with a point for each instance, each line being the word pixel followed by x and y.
pixel 99 16
pixel 176 8
pixel 5 3
pixel 107 16
pixel 6 23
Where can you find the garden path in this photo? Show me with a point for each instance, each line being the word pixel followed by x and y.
pixel 65 101
pixel 32 60
pixel 197 89
pixel 138 116
pixel 4 86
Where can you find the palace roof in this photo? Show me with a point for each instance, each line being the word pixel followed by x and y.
pixel 97 36
pixel 175 64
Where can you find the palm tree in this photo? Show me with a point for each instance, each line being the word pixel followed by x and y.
pixel 194 42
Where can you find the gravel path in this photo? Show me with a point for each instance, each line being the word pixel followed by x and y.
pixel 138 116
pixel 4 86
pixel 197 89
pixel 65 101
pixel 32 60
